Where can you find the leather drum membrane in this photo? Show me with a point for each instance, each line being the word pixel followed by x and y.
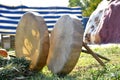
pixel 65 45
pixel 32 40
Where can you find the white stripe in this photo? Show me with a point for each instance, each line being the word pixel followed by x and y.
pixel 20 15
pixel 50 29
pixel 50 10
pixel 11 15
pixel 5 24
pixel 51 19
pixel 50 24
pixel 3 18
pixel 7 30
pixel 11 9
pixel 41 10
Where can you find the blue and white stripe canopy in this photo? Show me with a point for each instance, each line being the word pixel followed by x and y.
pixel 10 15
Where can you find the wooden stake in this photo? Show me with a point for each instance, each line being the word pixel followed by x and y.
pixel 93 54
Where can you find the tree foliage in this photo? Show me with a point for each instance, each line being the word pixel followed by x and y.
pixel 88 6
pixel 73 3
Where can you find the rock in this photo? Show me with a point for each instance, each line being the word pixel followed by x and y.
pixel 65 45
pixel 32 40
pixel 91 34
pixel 110 25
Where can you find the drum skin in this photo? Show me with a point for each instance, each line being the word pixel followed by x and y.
pixel 65 45
pixel 32 40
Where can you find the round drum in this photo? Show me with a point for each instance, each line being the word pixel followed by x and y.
pixel 32 40
pixel 65 45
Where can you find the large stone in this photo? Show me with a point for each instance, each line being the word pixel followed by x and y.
pixel 32 40
pixel 110 26
pixel 91 34
pixel 65 45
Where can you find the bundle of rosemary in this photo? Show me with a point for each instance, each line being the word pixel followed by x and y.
pixel 14 69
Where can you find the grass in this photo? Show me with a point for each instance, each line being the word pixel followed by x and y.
pixel 88 68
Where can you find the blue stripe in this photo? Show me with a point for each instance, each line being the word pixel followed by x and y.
pixel 61 12
pixel 7 32
pixel 16 22
pixel 15 17
pixel 45 12
pixel 12 7
pixel 79 17
pixel 8 21
pixel 47 17
pixel 25 7
pixel 12 12
pixel 7 27
pixel 50 26
pixel 50 21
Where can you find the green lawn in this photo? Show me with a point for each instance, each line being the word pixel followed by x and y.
pixel 87 67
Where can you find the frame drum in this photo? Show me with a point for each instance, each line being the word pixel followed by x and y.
pixel 32 40
pixel 65 45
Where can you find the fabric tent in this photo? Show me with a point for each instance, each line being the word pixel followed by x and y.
pixel 10 16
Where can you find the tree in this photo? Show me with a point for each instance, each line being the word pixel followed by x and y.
pixel 88 6
pixel 73 3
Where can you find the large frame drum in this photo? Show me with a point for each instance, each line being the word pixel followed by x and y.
pixel 32 40
pixel 65 45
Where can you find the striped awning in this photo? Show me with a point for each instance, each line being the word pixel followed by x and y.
pixel 10 15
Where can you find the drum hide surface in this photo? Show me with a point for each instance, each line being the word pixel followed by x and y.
pixel 32 40
pixel 65 45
